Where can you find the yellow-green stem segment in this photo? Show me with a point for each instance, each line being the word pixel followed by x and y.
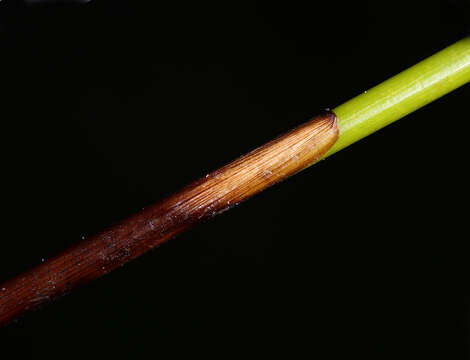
pixel 402 94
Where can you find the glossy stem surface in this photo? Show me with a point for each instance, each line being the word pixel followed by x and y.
pixel 200 200
pixel 237 181
pixel 402 94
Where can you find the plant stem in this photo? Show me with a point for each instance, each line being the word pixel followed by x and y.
pixel 237 181
pixel 402 94
pixel 212 194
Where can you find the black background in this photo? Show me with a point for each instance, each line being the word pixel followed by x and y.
pixel 108 106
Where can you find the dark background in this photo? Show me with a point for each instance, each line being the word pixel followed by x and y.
pixel 108 106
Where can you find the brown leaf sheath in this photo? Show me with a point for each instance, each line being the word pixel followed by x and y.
pixel 204 198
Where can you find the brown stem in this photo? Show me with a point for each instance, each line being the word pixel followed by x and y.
pixel 204 198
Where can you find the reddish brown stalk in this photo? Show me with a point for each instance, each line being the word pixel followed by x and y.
pixel 206 197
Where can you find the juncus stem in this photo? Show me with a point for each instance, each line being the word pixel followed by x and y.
pixel 402 94
pixel 204 198
pixel 238 180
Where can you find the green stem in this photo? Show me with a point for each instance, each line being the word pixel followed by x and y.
pixel 403 94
